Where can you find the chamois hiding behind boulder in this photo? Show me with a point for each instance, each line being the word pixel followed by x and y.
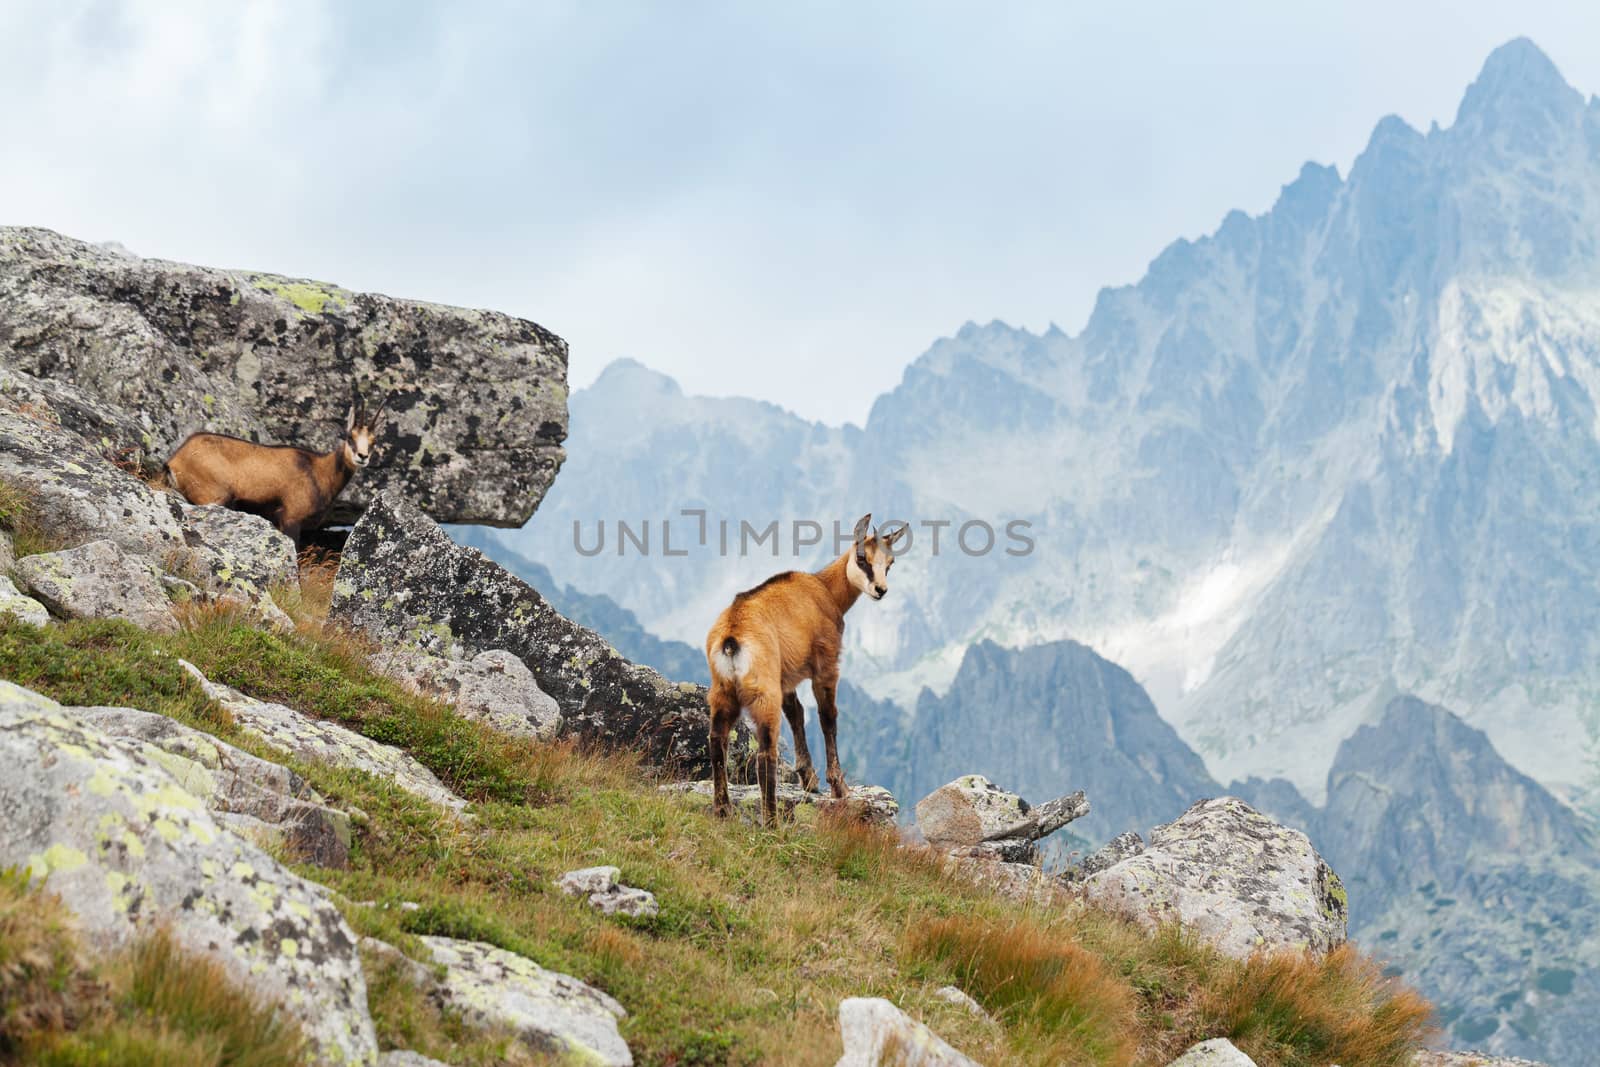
pixel 777 635
pixel 293 487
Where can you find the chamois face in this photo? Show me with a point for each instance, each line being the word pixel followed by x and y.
pixel 873 556
pixel 359 434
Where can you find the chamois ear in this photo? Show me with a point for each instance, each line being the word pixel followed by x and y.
pixel 863 524
pixel 350 418
pixel 894 540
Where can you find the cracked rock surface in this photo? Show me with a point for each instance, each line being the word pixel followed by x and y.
pixel 128 849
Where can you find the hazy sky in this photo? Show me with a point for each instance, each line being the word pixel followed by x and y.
pixel 785 201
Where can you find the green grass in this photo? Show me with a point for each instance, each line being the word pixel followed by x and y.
pixel 761 933
pixel 151 1005
pixel 19 518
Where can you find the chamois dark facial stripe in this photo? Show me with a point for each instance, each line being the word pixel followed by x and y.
pixel 862 561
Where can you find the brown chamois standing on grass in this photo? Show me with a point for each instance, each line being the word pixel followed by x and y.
pixel 777 635
pixel 293 487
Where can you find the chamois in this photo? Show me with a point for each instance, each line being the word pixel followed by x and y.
pixel 293 487
pixel 775 636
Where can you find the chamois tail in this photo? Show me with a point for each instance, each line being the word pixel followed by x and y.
pixel 731 661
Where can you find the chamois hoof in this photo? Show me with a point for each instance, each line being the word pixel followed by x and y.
pixel 722 811
pixel 837 785
pixel 808 779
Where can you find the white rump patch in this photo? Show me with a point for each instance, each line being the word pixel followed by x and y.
pixel 735 666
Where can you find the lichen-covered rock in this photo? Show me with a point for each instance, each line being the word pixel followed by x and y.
pixel 606 894
pixel 966 811
pixel 552 1012
pixel 128 849
pixel 315 739
pixel 479 399
pixel 1218 1052
pixel 25 608
pixel 8 554
pixel 264 801
pixel 406 1058
pixel 1111 853
pixel 83 497
pixel 493 687
pixel 405 584
pixel 1429 1058
pixel 1233 876
pixel 875 1033
pixel 99 581
pixel 238 553
pixel 1024 883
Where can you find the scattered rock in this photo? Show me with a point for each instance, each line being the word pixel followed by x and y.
pixel 871 802
pixel 99 581
pixel 1428 1058
pixel 405 584
pixel 403 1058
pixel 552 1012
pixel 1218 1052
pixel 129 849
pixel 606 894
pixel 8 554
pixel 973 817
pixel 493 687
pixel 1235 877
pixel 417 974
pixel 314 739
pixel 954 995
pixel 264 801
pixel 877 1033
pixel 1113 852
pixel 25 608
pixel 478 414
pixel 234 554
pixel 1025 883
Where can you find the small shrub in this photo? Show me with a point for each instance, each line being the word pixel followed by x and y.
pixel 44 985
pixel 19 517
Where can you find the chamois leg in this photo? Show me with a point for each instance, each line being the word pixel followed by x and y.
pixel 765 712
pixel 802 753
pixel 828 715
pixel 724 713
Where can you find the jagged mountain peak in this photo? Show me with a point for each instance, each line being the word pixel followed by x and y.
pixel 1518 81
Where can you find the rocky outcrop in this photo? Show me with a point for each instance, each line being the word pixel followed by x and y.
pixel 128 849
pixel 1468 1059
pixel 974 816
pixel 265 802
pixel 606 894
pixel 878 1034
pixel 1218 1052
pixel 1234 877
pixel 479 406
pixel 494 688
pixel 551 1012
pixel 405 584
pixel 1111 853
pixel 315 739
pixel 955 995
pixel 98 581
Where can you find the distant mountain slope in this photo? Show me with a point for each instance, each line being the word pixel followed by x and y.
pixel 1478 884
pixel 1043 721
pixel 1338 450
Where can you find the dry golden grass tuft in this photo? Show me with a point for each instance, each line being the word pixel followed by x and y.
pixel 19 518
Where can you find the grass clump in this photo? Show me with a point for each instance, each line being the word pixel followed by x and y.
pixel 150 1005
pixel 19 518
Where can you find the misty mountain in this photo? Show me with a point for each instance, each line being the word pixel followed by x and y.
pixel 1339 450
pixel 1473 880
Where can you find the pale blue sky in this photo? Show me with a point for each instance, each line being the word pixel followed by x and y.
pixel 783 201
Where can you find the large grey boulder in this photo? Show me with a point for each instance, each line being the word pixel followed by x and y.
pixel 24 608
pixel 238 553
pixel 99 581
pixel 480 402
pixel 316 739
pixel 405 584
pixel 264 801
pixel 878 1034
pixel 552 1012
pixel 1233 876
pixel 128 850
pixel 1218 1052
pixel 974 816
pixel 493 687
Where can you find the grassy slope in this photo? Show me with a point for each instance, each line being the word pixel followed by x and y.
pixel 761 933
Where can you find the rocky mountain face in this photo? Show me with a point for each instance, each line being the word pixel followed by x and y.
pixel 477 399
pixel 1325 454
pixel 1474 881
